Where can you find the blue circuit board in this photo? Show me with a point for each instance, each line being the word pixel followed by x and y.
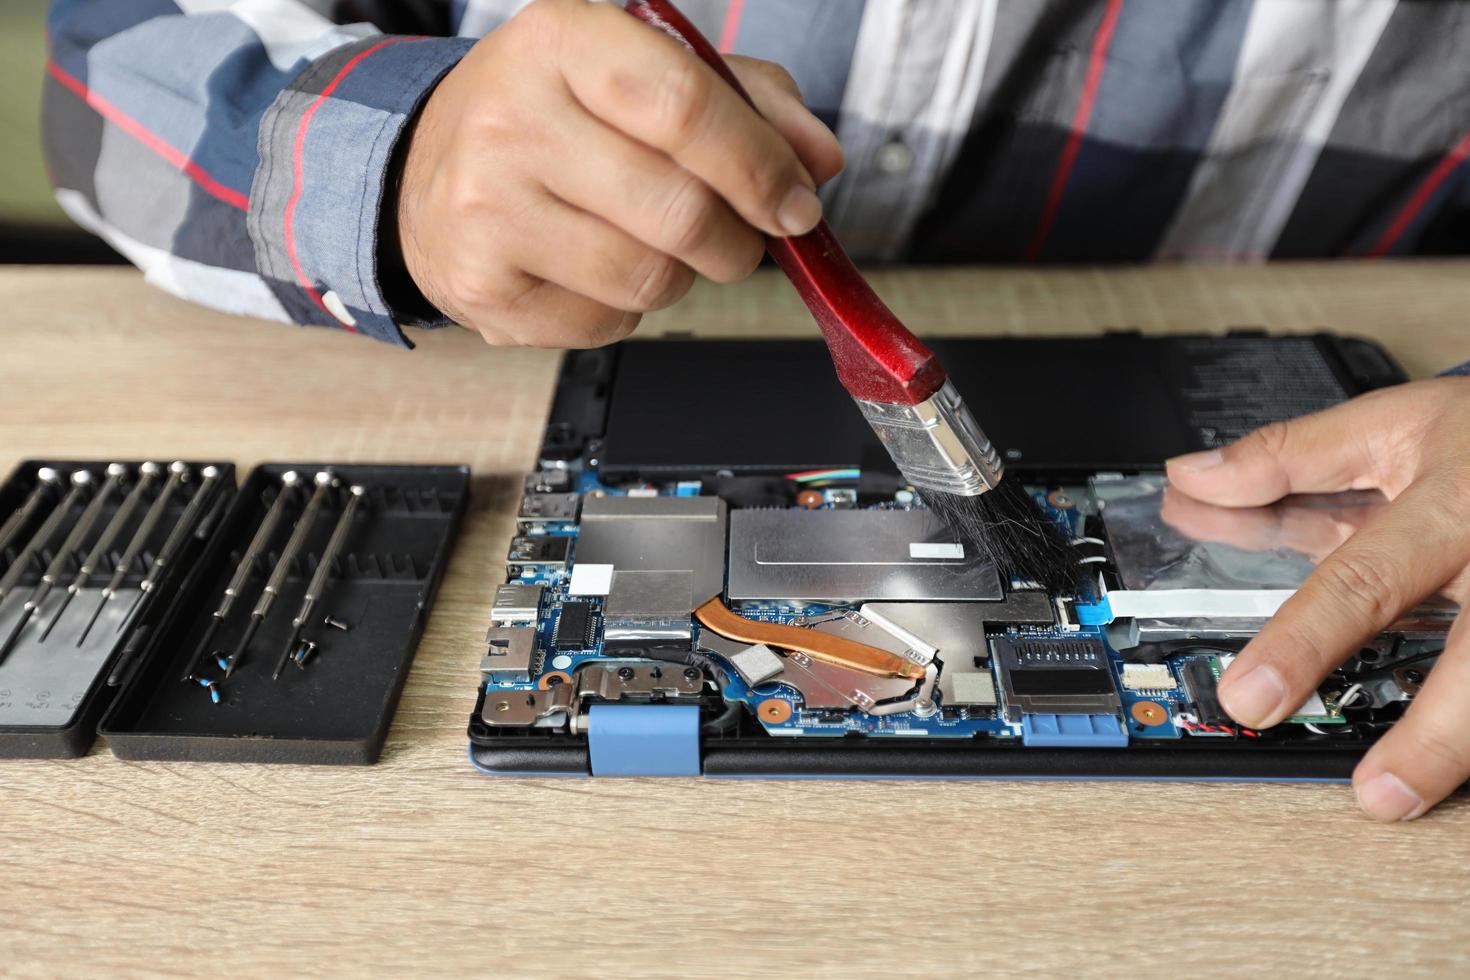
pixel 960 721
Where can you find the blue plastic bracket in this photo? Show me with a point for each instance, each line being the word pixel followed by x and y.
pixel 643 739
pixel 1073 732
pixel 1099 613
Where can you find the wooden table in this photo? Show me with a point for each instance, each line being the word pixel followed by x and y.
pixel 420 866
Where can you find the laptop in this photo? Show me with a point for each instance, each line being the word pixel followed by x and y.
pixel 717 571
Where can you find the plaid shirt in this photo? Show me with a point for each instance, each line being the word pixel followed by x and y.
pixel 236 150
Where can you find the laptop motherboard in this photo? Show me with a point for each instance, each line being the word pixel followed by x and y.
pixel 823 622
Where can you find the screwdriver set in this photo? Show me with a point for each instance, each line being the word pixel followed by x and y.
pixel 182 617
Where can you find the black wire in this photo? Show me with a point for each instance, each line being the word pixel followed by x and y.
pixel 725 721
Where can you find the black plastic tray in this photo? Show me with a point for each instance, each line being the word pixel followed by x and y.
pixel 337 710
pixel 75 736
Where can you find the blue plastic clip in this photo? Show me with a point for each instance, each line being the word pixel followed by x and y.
pixel 1073 732
pixel 643 739
pixel 1099 613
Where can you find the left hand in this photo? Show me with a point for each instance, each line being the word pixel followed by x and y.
pixel 1412 442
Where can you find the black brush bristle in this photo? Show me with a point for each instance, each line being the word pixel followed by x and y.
pixel 1006 525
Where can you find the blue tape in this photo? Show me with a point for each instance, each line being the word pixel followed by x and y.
pixel 1073 731
pixel 643 739
pixel 1099 613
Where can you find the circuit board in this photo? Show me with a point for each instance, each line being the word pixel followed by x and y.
pixel 598 608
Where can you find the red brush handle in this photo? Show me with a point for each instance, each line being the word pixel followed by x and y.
pixel 877 358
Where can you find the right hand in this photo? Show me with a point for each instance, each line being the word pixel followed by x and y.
pixel 578 168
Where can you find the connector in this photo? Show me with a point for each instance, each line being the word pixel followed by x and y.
pixel 936 444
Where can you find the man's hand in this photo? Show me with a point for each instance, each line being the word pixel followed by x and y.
pixel 1413 443
pixel 579 167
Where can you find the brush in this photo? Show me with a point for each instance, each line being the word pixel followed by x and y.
pixel 902 390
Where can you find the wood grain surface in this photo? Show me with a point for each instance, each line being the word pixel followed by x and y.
pixel 419 866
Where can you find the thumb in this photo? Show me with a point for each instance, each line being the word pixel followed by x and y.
pixel 1321 453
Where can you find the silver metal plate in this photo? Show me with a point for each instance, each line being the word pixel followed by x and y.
pixel 1200 559
pixel 957 629
pixel 1163 540
pixel 643 596
pixel 657 534
pixel 967 687
pixel 850 555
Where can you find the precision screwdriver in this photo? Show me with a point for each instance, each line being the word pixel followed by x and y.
pixel 80 481
pixel 147 474
pixel 258 545
pixel 174 543
pixel 48 481
pixel 277 580
pixel 177 471
pixel 323 572
pixel 80 531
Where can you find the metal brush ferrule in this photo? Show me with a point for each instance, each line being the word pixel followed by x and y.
pixel 936 444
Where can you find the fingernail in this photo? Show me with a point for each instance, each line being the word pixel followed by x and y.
pixel 1387 797
pixel 1253 698
pixel 1194 462
pixel 800 211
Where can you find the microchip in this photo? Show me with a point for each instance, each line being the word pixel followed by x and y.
pixel 574 630
pixel 539 549
pixel 1054 676
pixel 1199 684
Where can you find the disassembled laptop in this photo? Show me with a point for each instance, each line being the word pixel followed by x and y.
pixel 829 610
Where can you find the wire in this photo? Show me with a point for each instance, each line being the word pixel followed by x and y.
pixel 1349 696
pixel 725 720
pixel 813 476
pixel 1192 724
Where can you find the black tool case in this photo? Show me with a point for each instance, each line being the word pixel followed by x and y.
pixel 336 708
pixel 49 708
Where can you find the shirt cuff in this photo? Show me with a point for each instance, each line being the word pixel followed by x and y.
pixel 1463 369
pixel 324 146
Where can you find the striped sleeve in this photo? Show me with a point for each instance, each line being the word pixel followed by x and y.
pixel 237 152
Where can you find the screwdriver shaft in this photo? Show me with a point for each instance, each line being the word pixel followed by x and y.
pixel 176 473
pixel 282 569
pixel 174 543
pixel 323 572
pixel 48 481
pixel 43 536
pixel 77 537
pixel 257 547
pixel 147 473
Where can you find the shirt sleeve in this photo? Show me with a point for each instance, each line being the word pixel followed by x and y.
pixel 237 153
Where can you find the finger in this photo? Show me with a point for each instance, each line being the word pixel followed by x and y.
pixel 587 255
pixel 648 195
pixel 779 100
pixel 1359 590
pixel 649 86
pixel 1426 756
pixel 1345 447
pixel 543 314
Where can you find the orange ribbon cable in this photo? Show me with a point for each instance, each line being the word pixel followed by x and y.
pixel 823 646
